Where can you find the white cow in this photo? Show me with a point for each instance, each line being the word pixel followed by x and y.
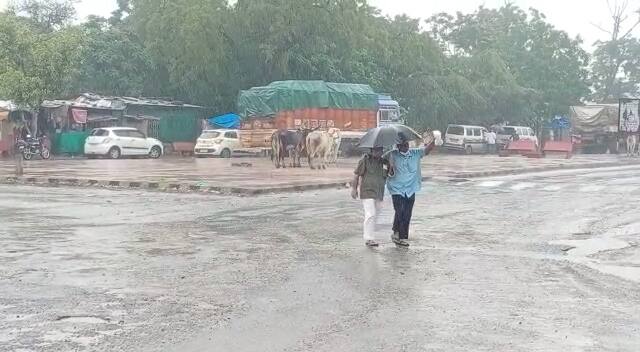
pixel 319 144
pixel 632 142
pixel 438 137
pixel 336 136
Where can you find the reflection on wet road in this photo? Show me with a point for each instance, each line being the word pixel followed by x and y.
pixel 543 262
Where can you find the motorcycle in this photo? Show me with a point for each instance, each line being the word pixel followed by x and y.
pixel 29 147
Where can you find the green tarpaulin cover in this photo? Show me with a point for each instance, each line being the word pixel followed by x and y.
pixel 69 143
pixel 290 95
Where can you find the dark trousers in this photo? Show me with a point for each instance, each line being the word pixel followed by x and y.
pixel 404 210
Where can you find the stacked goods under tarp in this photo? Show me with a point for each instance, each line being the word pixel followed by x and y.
pixel 594 119
pixel 305 104
pixel 597 125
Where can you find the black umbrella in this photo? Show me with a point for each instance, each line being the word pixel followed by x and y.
pixel 386 136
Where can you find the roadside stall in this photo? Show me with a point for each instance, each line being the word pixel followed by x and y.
pixel 14 122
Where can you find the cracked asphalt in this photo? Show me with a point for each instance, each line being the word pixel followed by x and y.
pixel 539 262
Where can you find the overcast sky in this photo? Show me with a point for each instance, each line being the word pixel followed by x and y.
pixel 574 16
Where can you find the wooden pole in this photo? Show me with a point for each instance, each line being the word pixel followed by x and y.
pixel 18 162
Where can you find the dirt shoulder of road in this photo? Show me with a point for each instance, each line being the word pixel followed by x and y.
pixel 256 176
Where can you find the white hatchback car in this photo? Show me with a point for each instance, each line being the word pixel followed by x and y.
pixel 220 143
pixel 115 142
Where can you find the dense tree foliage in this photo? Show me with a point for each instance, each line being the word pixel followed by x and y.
pixel 48 15
pixel 487 66
pixel 526 69
pixel 35 64
pixel 113 60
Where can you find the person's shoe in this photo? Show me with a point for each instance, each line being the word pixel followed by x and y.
pixel 401 243
pixel 371 243
pixel 395 237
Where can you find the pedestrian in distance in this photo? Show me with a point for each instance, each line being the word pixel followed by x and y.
pixel 368 184
pixel 491 142
pixel 405 180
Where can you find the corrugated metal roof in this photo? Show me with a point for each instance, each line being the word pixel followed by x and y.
pixel 95 101
pixel 119 103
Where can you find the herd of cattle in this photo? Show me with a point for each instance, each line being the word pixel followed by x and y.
pixel 316 146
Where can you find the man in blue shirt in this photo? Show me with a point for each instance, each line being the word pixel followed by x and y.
pixel 405 180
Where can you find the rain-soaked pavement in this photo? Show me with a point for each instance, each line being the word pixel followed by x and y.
pixel 254 173
pixel 540 262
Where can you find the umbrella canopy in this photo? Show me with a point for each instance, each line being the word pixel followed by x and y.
pixel 387 136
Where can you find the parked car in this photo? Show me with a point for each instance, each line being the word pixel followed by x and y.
pixel 465 138
pixel 505 133
pixel 220 143
pixel 116 142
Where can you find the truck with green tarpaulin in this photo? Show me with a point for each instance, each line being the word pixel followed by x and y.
pixel 311 104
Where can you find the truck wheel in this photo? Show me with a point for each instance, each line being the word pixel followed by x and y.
pixel 226 154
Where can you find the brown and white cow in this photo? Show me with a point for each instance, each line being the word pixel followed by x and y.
pixel 292 144
pixel 319 146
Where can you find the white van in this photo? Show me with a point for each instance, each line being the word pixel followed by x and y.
pixel 505 133
pixel 466 138
pixel 220 143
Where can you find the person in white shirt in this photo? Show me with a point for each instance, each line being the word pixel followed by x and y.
pixel 491 142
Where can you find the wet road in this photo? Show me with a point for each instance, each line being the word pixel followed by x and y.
pixel 541 262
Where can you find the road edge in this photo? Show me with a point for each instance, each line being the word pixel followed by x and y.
pixel 204 188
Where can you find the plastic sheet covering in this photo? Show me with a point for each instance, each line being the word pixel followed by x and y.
pixel 593 118
pixel 290 95
pixel 69 142
pixel 229 121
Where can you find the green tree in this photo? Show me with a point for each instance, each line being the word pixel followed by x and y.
pixel 49 15
pixel 427 85
pixel 547 68
pixel 35 65
pixel 289 39
pixel 114 60
pixel 186 40
pixel 616 61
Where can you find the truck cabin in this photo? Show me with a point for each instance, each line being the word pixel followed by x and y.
pixel 388 111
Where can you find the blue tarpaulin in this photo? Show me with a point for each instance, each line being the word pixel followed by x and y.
pixel 229 121
pixel 559 122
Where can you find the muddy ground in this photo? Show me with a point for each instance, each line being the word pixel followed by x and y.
pixel 542 262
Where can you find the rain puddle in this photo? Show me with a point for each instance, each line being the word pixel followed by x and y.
pixel 491 183
pixel 522 185
pixel 585 248
pixel 580 251
pixel 553 187
pixel 592 188
pixel 83 319
pixel 630 273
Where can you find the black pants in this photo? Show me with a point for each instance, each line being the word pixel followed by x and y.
pixel 404 209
